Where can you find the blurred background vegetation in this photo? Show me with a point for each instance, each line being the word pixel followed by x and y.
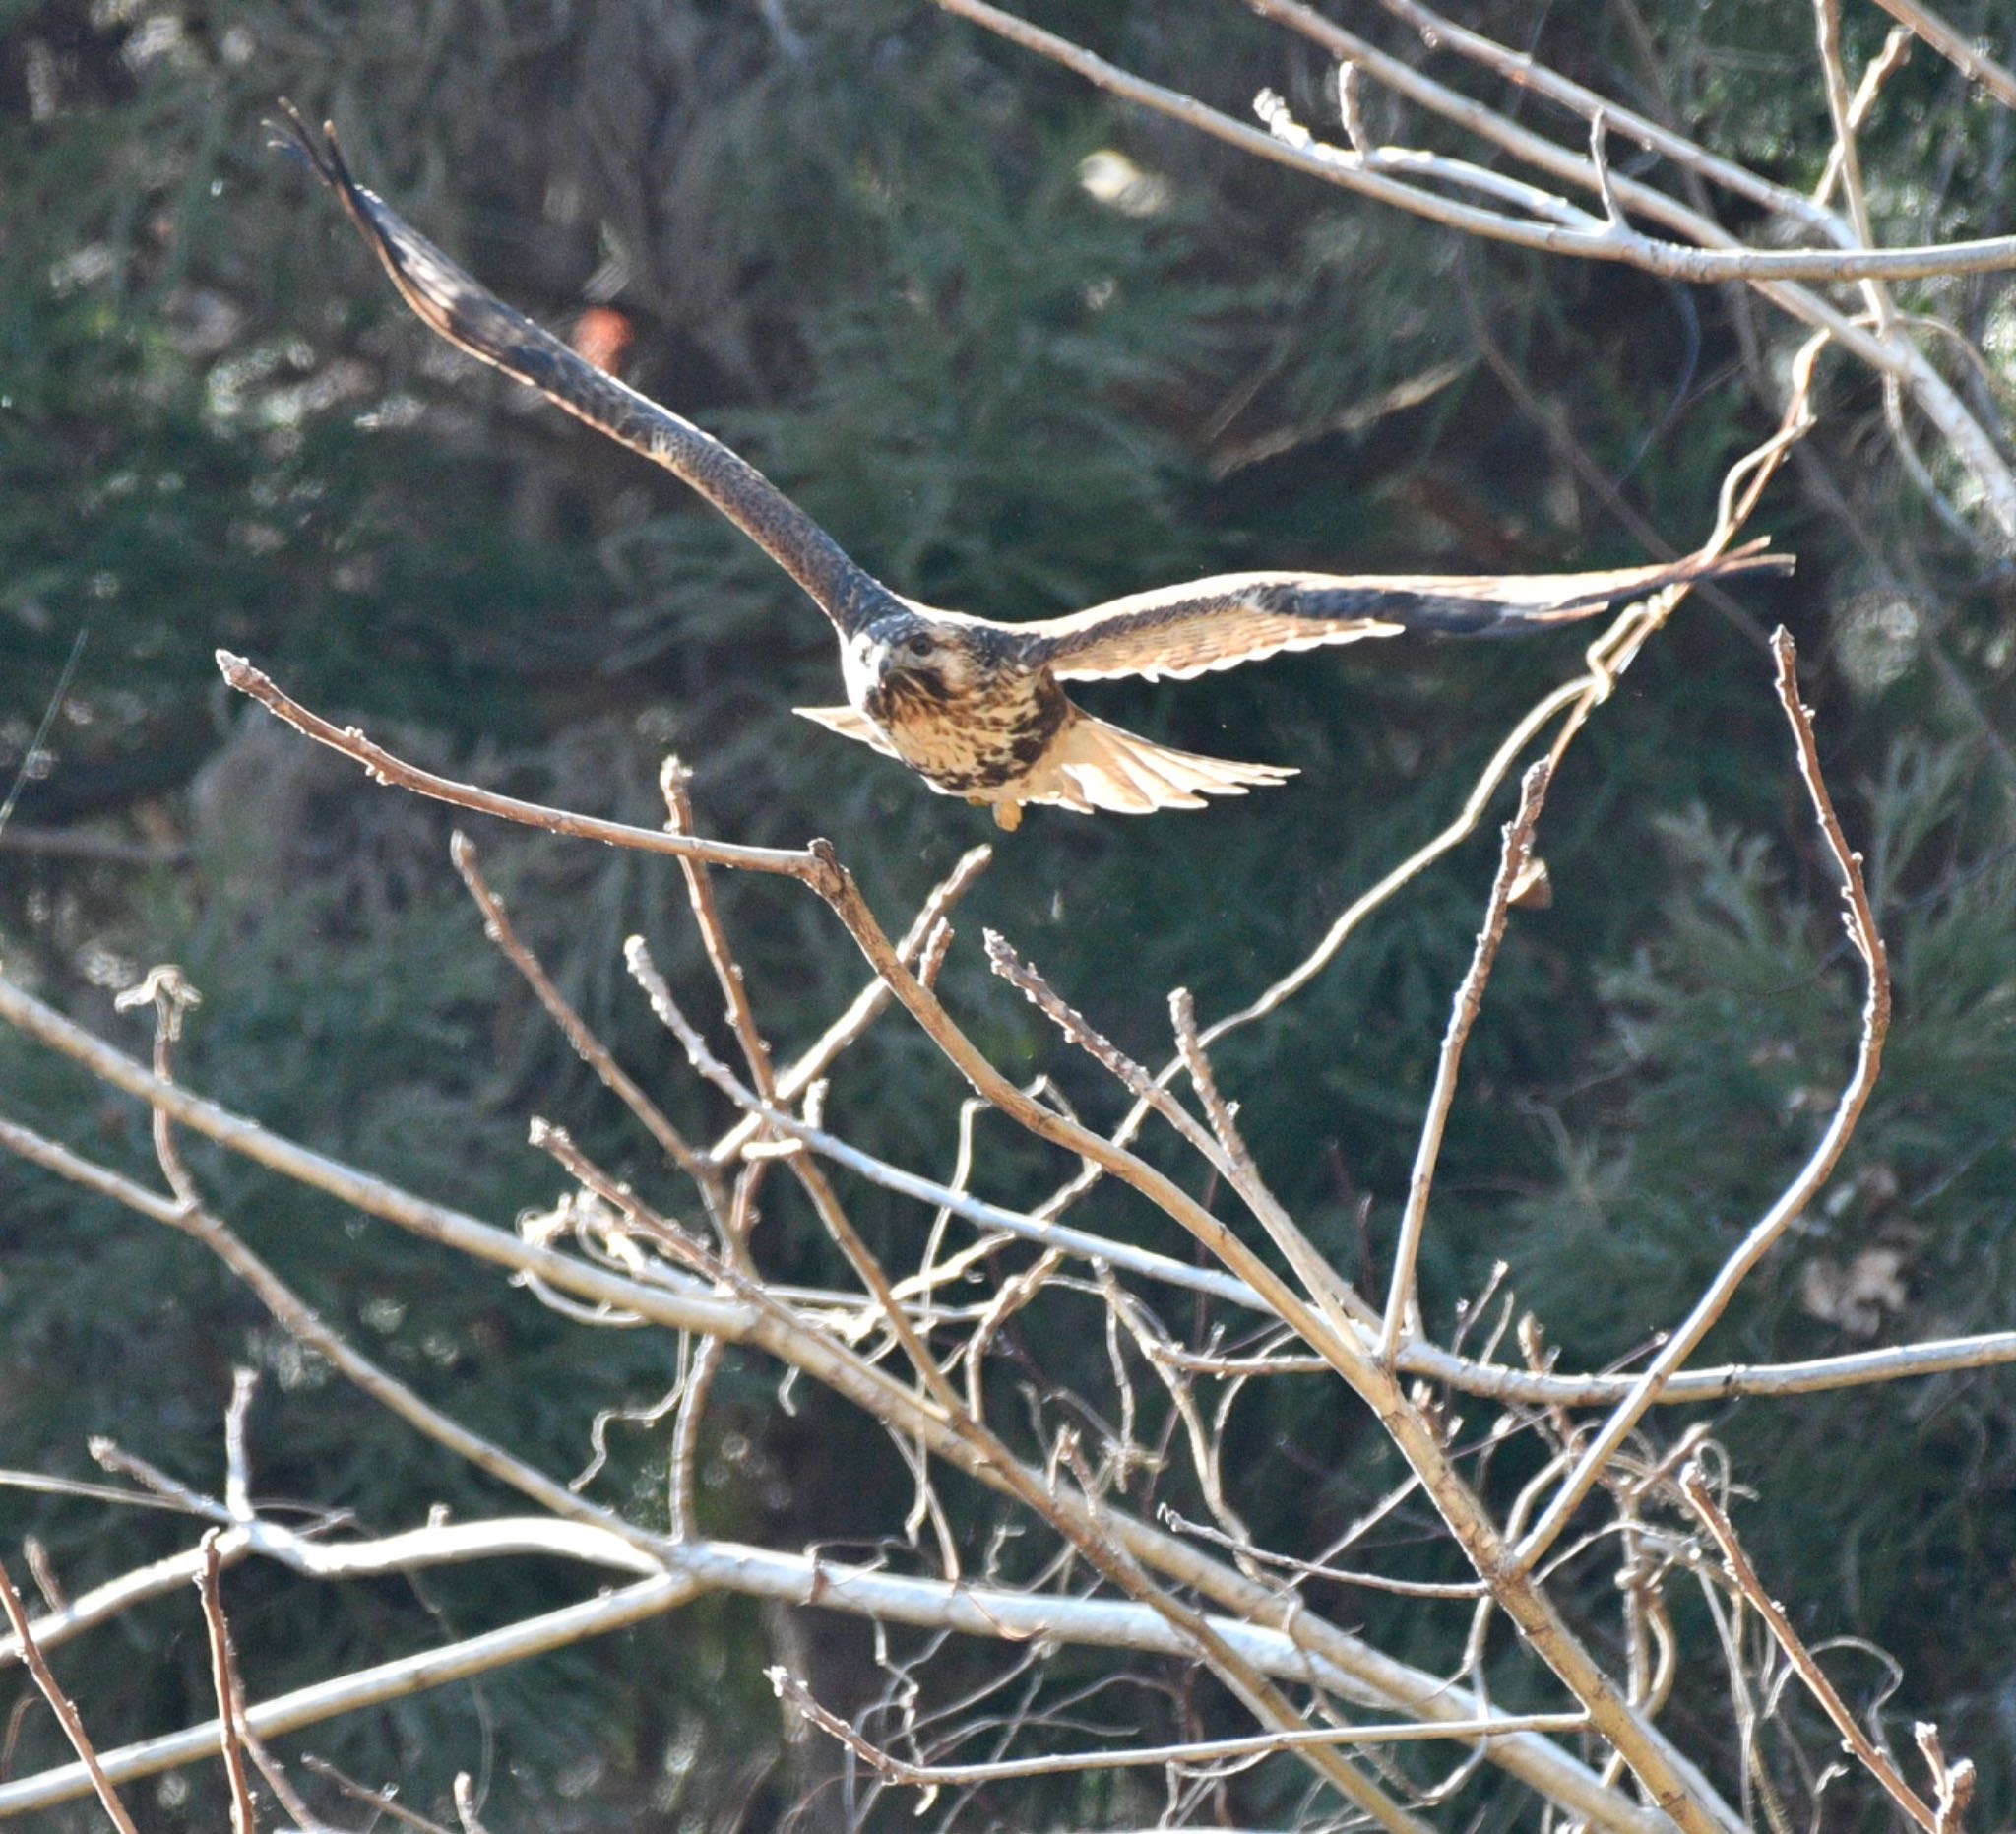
pixel 1019 351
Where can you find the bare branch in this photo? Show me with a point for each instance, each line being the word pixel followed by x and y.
pixel 1309 1640
pixel 466 1805
pixel 675 782
pixel 929 933
pixel 587 1046
pixel 362 1687
pixel 1601 241
pixel 1955 47
pixel 93 1774
pixel 1894 55
pixel 387 769
pixel 1861 930
pixel 1516 852
pixel 379 1799
pixel 231 1702
pixel 1952 1783
pixel 1694 1482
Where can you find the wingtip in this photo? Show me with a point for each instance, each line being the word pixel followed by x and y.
pixel 292 134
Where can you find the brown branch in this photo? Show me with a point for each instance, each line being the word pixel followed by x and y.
pixel 60 1704
pixel 379 1799
pixel 1694 1482
pixel 674 783
pixel 1676 1785
pixel 388 768
pixel 231 1698
pixel 1952 1783
pixel 307 1327
pixel 1357 1668
pixel 929 933
pixel 497 927
pixel 980 1451
pixel 1341 1308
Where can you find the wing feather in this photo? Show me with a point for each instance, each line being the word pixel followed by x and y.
pixel 850 723
pixel 1182 631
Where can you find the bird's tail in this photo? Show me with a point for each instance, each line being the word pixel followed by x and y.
pixel 1092 765
pixel 1511 606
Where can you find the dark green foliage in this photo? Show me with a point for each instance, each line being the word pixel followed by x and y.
pixel 864 249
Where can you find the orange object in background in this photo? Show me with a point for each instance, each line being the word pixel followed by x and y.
pixel 603 336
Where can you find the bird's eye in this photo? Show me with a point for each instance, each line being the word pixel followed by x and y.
pixel 919 645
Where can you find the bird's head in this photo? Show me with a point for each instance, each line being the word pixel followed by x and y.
pixel 906 649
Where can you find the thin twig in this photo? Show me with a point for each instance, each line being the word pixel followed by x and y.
pixel 230 1699
pixel 683 1498
pixel 929 933
pixel 1202 1752
pixel 379 1799
pixel 362 1687
pixel 1317 1569
pixel 1516 850
pixel 1894 55
pixel 587 1048
pixel 1311 1640
pixel 1342 1308
pixel 237 1455
pixel 1952 1783
pixel 637 957
pixel 1490 1381
pixel 1700 1494
pixel 674 782
pixel 466 1805
pixel 94 1774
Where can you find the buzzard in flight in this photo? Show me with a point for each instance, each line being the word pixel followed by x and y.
pixel 977 707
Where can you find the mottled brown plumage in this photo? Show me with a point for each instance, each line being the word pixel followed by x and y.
pixel 974 706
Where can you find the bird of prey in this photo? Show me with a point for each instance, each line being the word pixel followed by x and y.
pixel 977 707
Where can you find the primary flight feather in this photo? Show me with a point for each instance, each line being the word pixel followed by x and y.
pixel 973 704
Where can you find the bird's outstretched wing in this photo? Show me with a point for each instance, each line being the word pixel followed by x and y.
pixel 1240 617
pixel 469 316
